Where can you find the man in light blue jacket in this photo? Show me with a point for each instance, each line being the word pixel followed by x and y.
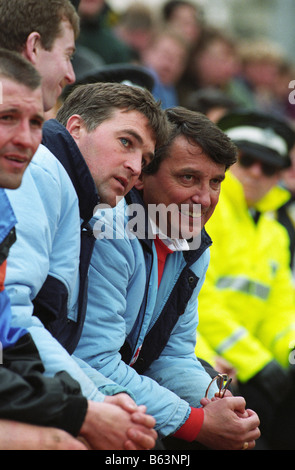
pixel 146 272
pixel 43 272
pixel 35 402
pixel 53 205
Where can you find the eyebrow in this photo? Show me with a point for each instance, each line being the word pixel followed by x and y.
pixel 14 110
pixel 40 117
pixel 134 134
pixel 138 137
pixel 199 172
pixel 9 110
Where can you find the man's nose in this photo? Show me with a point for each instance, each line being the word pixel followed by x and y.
pixel 202 196
pixel 70 77
pixel 24 137
pixel 256 169
pixel 134 163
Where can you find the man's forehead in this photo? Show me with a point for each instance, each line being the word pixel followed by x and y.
pixel 66 35
pixel 185 153
pixel 16 95
pixel 186 147
pixel 9 84
pixel 9 88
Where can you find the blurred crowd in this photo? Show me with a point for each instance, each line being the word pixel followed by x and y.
pixel 185 55
pixel 192 63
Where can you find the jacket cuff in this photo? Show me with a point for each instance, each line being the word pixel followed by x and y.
pixel 74 415
pixel 191 428
pixel 114 389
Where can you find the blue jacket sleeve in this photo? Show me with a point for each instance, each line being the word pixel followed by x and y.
pixel 48 242
pixel 116 285
pixel 178 368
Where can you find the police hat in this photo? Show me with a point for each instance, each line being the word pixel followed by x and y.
pixel 134 75
pixel 264 137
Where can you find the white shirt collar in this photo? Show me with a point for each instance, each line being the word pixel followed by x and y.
pixel 176 244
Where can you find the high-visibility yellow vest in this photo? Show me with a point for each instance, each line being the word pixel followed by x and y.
pixel 247 303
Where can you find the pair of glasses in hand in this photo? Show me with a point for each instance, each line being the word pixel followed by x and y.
pixel 222 382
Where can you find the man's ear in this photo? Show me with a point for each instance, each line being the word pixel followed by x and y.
pixel 75 126
pixel 139 183
pixel 32 47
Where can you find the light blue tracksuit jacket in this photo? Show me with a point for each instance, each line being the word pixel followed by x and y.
pixel 117 283
pixel 48 243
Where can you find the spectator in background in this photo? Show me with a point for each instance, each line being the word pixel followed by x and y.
pixel 247 305
pixel 186 17
pixel 84 58
pixel 261 63
pixel 283 92
pixel 286 213
pixel 98 36
pixel 214 62
pixel 211 102
pixel 135 27
pixel 166 57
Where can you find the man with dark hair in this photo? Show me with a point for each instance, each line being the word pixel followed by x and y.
pixel 142 331
pixel 13 67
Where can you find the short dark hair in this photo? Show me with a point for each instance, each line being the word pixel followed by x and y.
pixel 15 67
pixel 96 103
pixel 19 18
pixel 169 8
pixel 198 130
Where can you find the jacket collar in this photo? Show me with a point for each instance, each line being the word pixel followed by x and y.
pixel 7 226
pixel 134 197
pixel 233 189
pixel 7 216
pixel 59 141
